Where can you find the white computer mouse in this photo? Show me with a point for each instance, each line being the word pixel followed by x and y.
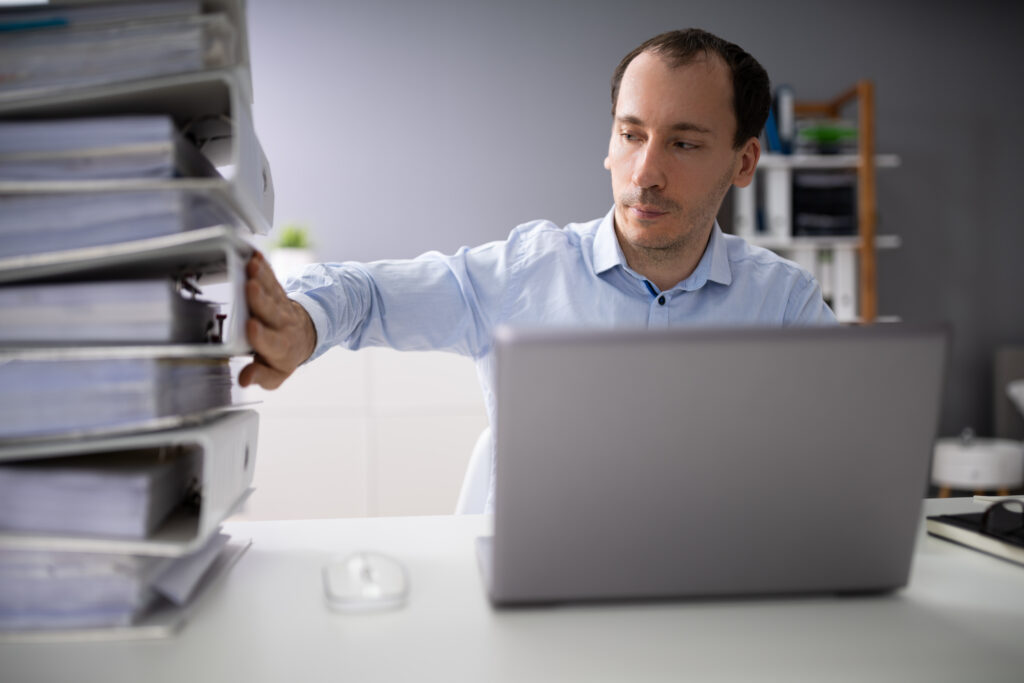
pixel 365 582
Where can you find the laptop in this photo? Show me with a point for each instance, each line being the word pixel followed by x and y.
pixel 710 462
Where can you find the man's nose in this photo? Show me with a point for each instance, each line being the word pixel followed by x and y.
pixel 649 170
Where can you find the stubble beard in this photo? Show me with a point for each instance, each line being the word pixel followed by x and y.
pixel 696 219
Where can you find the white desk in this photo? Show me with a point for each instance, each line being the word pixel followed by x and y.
pixel 961 619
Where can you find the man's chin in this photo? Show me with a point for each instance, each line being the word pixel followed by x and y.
pixel 644 240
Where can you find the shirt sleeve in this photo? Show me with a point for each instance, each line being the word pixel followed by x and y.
pixel 433 302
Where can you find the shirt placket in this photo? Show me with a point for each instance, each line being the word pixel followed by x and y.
pixel 657 316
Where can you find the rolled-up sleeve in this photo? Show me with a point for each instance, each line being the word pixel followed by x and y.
pixel 433 302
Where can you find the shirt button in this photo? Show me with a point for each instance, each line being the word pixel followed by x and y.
pixel 661 300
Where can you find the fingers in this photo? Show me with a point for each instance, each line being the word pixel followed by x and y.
pixel 279 329
pixel 266 298
pixel 261 375
pixel 275 347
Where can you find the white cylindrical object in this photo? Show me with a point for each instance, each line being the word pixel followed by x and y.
pixel 978 464
pixel 744 213
pixel 778 199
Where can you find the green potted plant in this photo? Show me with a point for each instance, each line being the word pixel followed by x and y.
pixel 292 251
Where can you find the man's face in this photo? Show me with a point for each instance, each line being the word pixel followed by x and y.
pixel 671 155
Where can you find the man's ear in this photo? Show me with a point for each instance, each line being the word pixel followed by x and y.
pixel 748 158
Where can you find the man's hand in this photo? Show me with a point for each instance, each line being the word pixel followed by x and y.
pixel 279 329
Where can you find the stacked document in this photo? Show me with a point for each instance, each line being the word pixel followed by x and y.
pixel 43 213
pixel 113 312
pixel 70 397
pixel 69 590
pixel 38 223
pixel 95 148
pixel 118 531
pixel 65 46
pixel 118 459
pixel 123 494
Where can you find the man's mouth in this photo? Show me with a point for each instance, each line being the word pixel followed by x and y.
pixel 646 213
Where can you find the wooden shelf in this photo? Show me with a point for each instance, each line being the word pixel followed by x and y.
pixel 849 262
pixel 863 93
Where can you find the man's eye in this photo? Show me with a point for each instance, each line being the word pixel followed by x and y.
pixel 685 145
pixel 628 137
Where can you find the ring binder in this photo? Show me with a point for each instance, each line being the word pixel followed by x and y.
pixel 226 450
pixel 231 191
pixel 249 191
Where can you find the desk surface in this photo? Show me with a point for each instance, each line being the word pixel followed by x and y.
pixel 960 619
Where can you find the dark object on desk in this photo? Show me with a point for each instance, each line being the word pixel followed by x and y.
pixel 998 531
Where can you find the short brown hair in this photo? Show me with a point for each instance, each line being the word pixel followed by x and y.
pixel 751 89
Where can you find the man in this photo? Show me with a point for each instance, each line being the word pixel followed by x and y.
pixel 687 110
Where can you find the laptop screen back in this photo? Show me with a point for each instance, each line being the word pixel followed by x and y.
pixel 633 464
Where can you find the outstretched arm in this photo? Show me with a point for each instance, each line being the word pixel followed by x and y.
pixel 279 329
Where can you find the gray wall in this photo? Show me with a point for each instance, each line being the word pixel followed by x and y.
pixel 399 126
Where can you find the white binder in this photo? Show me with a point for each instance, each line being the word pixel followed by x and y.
pixel 210 105
pixel 227 449
pixel 215 254
pixel 212 108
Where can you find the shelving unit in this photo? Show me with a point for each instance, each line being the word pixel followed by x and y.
pixel 844 265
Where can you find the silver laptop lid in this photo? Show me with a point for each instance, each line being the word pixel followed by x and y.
pixel 637 464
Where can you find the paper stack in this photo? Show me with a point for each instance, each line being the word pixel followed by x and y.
pixel 111 312
pixel 118 457
pixel 115 536
pixel 75 396
pixel 62 590
pixel 122 494
pixel 98 148
pixel 59 46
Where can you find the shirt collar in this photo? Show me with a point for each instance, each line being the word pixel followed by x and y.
pixel 713 265
pixel 607 252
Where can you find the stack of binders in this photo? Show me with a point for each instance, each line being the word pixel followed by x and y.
pixel 130 175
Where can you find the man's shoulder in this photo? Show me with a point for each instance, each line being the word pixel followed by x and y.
pixel 546 228
pixel 545 234
pixel 765 276
pixel 744 256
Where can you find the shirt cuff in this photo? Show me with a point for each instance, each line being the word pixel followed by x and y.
pixel 321 323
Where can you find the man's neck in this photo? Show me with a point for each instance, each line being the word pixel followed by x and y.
pixel 665 268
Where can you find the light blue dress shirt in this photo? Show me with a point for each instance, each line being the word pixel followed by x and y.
pixel 543 275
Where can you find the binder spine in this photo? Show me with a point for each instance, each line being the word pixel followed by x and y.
pixel 227 450
pixel 229 459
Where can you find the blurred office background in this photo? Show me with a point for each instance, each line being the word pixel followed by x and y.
pixel 400 126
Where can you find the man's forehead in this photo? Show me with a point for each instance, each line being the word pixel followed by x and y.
pixel 711 65
pixel 709 60
pixel 698 91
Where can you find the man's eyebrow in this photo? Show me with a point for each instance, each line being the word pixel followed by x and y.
pixel 684 126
